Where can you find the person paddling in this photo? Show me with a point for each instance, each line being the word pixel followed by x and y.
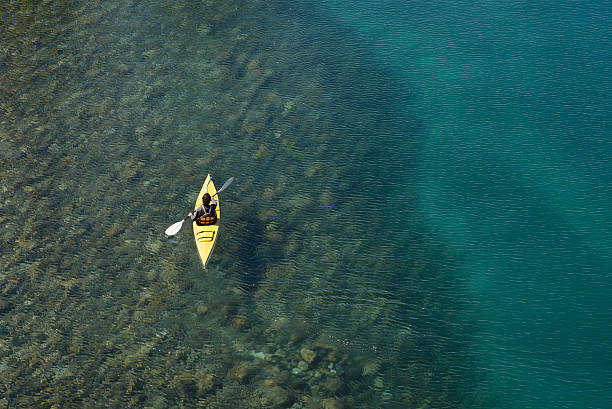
pixel 176 227
pixel 206 213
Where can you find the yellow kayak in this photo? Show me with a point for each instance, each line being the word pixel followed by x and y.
pixel 206 236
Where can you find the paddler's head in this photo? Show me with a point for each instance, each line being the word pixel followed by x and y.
pixel 205 199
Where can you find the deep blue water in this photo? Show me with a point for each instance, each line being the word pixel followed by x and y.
pixel 515 172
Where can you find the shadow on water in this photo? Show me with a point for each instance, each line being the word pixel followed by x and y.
pixel 252 262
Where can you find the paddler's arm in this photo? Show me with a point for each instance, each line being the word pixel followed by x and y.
pixel 194 214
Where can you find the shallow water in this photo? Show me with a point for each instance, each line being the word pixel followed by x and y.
pixel 116 114
pixel 343 277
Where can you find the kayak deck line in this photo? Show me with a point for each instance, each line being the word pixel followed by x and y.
pixel 206 236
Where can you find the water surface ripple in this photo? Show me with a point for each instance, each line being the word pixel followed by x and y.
pixel 112 114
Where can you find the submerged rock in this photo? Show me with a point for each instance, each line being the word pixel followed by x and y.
pixel 371 367
pixel 302 366
pixel 5 305
pixel 270 382
pixel 333 384
pixel 379 383
pixel 276 396
pixel 258 354
pixel 240 322
pixel 240 372
pixel 308 355
pixel 205 382
pixel 123 68
pixel 332 356
pixel 332 403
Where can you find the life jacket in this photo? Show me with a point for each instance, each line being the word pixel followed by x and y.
pixel 208 218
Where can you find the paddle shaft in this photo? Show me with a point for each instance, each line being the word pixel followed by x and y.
pixel 225 185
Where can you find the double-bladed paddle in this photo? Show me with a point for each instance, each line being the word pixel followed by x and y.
pixel 176 227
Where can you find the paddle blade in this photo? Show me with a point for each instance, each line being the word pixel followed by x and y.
pixel 226 184
pixel 175 228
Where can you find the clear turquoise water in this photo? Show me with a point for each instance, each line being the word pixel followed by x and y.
pixel 514 174
pixel 421 199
